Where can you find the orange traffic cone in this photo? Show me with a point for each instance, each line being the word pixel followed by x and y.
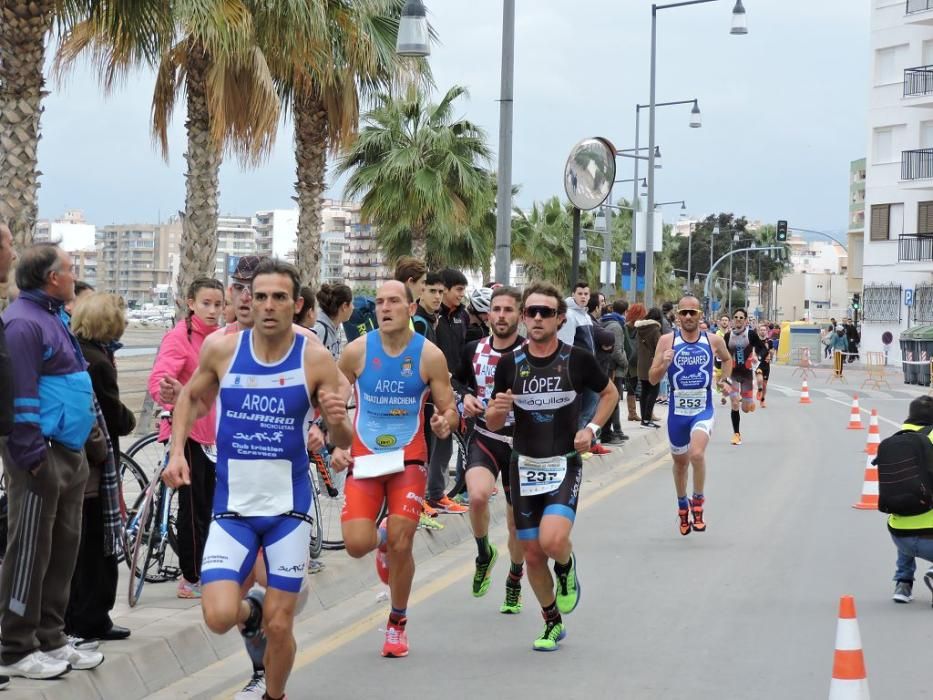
pixel 874 435
pixel 805 393
pixel 869 487
pixel 855 416
pixel 849 679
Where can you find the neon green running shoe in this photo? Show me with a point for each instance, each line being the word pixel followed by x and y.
pixel 513 600
pixel 568 588
pixel 483 576
pixel 428 523
pixel 552 634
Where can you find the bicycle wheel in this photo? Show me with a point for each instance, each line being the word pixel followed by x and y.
pixel 328 494
pixel 148 453
pixel 144 524
pixel 133 482
pixel 316 542
pixel 456 467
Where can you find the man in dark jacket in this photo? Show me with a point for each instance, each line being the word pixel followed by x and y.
pixel 7 256
pixel 425 318
pixel 452 323
pixel 614 322
pixel 46 470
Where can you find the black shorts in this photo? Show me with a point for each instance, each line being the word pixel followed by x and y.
pixel 528 510
pixel 492 454
pixel 765 369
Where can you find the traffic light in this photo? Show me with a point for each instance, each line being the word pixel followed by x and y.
pixel 856 301
pixel 782 231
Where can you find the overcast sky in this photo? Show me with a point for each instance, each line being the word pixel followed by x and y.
pixel 784 110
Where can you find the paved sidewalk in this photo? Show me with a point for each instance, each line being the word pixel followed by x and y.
pixel 170 641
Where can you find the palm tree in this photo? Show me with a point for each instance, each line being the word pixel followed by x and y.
pixel 419 171
pixel 355 59
pixel 211 51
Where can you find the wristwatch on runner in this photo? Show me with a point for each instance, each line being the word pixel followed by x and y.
pixel 594 429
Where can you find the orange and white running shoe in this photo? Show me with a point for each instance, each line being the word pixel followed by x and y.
pixel 736 439
pixel 685 526
pixel 427 509
pixel 696 506
pixel 445 505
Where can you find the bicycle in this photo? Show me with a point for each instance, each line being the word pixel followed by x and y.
pixel 152 528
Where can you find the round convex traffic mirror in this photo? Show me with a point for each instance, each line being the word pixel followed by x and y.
pixel 590 172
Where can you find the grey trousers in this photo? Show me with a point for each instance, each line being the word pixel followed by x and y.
pixel 441 452
pixel 44 534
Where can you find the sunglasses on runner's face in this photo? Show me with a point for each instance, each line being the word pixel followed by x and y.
pixel 688 312
pixel 542 311
pixel 240 287
pixel 739 318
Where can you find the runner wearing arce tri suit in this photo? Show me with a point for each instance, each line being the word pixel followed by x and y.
pixel 543 382
pixel 743 345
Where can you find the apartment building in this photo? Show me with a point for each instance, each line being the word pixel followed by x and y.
pixel 133 260
pixel 76 237
pixel 897 252
pixel 364 265
pixel 856 227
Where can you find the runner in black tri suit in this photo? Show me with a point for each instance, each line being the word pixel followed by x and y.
pixel 543 382
pixel 490 451
pixel 764 365
pixel 743 346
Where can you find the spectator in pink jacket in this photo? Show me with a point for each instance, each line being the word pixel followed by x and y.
pixel 175 363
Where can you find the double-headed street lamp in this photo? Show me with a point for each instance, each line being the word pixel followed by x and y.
pixel 739 26
pixel 695 123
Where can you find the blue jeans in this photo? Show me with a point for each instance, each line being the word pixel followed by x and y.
pixel 907 549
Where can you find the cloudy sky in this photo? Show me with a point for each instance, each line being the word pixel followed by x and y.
pixel 783 110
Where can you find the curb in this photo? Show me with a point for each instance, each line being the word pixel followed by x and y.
pixel 170 641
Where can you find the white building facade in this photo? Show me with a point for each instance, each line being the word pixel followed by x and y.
pixel 897 259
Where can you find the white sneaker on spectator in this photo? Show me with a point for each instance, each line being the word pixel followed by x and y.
pixel 82 643
pixel 38 666
pixel 80 659
pixel 256 688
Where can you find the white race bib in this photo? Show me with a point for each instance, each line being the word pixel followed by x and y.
pixel 689 402
pixel 379 464
pixel 259 487
pixel 537 476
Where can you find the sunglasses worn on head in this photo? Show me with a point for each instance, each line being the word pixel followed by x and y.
pixel 688 312
pixel 240 287
pixel 543 311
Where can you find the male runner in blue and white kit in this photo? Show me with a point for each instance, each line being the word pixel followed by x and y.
pixel 265 380
pixel 686 356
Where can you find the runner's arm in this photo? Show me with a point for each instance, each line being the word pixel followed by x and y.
pixel 504 377
pixel 434 368
pixel 661 360
pixel 725 358
pixel 322 373
pixel 200 390
pixel 594 379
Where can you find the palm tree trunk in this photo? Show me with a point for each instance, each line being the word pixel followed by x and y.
pixel 199 224
pixel 419 244
pixel 311 157
pixel 23 28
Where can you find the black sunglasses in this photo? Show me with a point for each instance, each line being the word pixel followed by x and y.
pixel 542 311
pixel 689 312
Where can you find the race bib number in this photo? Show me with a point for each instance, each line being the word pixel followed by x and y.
pixel 540 476
pixel 379 464
pixel 689 402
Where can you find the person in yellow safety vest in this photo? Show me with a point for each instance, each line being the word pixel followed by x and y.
pixel 913 534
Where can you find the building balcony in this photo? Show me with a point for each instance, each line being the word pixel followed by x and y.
pixel 918 86
pixel 360 276
pixel 917 168
pixel 915 247
pixel 919 12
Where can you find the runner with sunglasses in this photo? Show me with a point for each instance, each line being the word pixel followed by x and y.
pixel 542 383
pixel 686 357
pixel 743 346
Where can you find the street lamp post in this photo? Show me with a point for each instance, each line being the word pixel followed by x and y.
pixel 413 37
pixel 739 26
pixel 696 122
pixel 504 175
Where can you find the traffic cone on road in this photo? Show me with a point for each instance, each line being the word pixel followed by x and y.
pixel 849 679
pixel 874 435
pixel 869 487
pixel 805 393
pixel 855 415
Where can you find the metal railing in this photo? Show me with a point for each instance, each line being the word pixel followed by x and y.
pixel 914 6
pixel 917 164
pixel 915 247
pixel 918 81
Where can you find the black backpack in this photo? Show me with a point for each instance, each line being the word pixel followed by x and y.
pixel 905 479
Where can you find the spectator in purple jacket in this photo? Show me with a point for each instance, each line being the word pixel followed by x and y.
pixel 45 469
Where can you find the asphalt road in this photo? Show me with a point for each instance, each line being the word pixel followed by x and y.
pixel 745 610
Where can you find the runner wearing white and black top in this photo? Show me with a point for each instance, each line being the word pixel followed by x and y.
pixel 744 346
pixel 490 451
pixel 543 382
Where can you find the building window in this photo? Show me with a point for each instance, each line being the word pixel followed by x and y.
pixel 881 303
pixel 889 64
pixel 883 147
pixel 925 217
pixel 880 221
